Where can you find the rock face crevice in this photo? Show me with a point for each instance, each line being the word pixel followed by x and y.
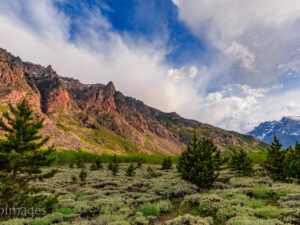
pixel 101 108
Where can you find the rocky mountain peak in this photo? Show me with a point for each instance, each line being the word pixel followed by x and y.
pixel 110 90
pixel 287 130
pixel 99 118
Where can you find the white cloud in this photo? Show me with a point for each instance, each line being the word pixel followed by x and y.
pixel 251 44
pixel 137 69
pixel 240 52
pixel 257 35
pixel 182 73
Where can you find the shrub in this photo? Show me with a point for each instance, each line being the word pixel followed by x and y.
pixel 241 163
pixel 248 220
pixel 164 206
pixel 191 220
pixel 151 172
pixel 262 191
pixel 148 210
pixel 199 163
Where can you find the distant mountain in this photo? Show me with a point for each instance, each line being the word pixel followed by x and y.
pixel 287 130
pixel 98 118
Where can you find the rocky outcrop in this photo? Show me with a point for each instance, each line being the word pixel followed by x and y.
pixel 99 118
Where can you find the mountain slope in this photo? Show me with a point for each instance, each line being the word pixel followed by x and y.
pixel 287 130
pixel 97 117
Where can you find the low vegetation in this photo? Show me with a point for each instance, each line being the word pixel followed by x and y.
pixel 205 188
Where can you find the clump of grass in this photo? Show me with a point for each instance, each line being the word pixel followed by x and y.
pixel 262 191
pixel 65 211
pixel 148 210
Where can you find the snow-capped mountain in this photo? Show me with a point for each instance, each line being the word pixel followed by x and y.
pixel 287 130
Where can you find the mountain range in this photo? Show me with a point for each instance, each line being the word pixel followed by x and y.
pixel 287 130
pixel 99 118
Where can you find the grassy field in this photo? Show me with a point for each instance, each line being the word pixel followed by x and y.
pixel 166 199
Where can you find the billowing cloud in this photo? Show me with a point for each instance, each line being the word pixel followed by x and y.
pixel 96 55
pixel 254 37
pixel 252 50
pixel 182 73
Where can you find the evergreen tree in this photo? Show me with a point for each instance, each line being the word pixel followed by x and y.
pixel 93 167
pixel 110 165
pixel 167 163
pixel 115 169
pixel 199 163
pixel 21 159
pixel 292 163
pixel 74 179
pixel 130 170
pixel 139 165
pixel 82 176
pixel 99 164
pixel 80 163
pixel 274 163
pixel 241 163
pixel 113 165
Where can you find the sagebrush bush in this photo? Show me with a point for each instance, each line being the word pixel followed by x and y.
pixel 191 220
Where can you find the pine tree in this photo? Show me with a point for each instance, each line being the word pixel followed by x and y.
pixel 21 159
pixel 93 167
pixel 82 176
pixel 74 179
pixel 99 164
pixel 115 169
pixel 139 165
pixel 241 163
pixel 113 165
pixel 130 170
pixel 292 163
pixel 80 163
pixel 274 163
pixel 169 161
pixel 199 163
pixel 165 164
pixel 110 165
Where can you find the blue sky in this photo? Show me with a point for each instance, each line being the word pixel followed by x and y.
pixel 229 63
